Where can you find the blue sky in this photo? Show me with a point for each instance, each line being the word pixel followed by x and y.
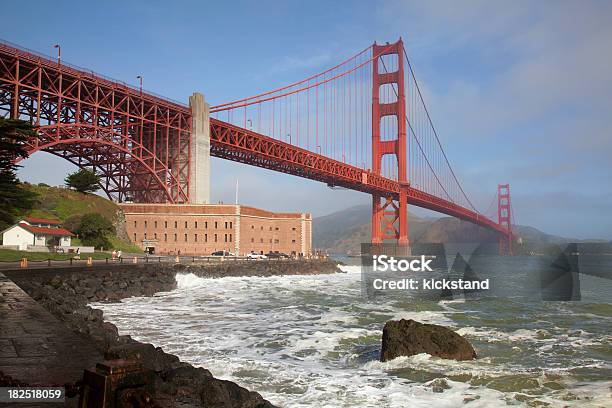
pixel 520 92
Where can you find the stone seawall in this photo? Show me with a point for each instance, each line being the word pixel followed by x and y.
pixel 65 292
pixel 260 268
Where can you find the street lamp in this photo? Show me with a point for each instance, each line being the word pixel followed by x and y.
pixel 139 77
pixel 59 53
pixel 318 149
pixel 289 137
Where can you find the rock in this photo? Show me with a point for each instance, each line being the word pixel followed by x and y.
pixel 185 382
pixel 186 375
pixel 439 385
pixel 125 339
pixel 470 398
pixel 226 394
pixel 150 356
pixel 56 281
pixel 111 334
pixel 197 387
pixel 100 294
pixel 409 337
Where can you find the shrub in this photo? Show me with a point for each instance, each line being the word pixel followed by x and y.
pixel 94 230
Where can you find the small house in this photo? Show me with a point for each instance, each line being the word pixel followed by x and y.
pixel 30 233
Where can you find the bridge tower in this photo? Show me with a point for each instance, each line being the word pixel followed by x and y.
pixel 389 215
pixel 504 218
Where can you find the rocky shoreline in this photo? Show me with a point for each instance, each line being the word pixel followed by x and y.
pixel 66 293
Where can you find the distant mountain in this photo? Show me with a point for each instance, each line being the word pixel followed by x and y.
pixel 329 231
pixel 345 230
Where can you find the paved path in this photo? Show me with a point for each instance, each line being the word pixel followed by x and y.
pixel 35 347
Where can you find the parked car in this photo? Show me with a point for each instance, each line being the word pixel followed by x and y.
pixel 277 255
pixel 255 255
pixel 222 253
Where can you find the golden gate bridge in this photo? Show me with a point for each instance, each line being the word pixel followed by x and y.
pixel 362 124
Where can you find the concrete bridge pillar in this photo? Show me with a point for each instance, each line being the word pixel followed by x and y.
pixel 199 171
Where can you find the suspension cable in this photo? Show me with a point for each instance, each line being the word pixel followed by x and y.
pixel 434 130
pixel 418 143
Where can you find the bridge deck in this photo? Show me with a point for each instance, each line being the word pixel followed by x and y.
pixel 140 142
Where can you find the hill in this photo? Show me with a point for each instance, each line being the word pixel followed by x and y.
pixel 62 203
pixel 68 206
pixel 344 231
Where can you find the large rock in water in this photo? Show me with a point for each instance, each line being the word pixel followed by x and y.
pixel 409 337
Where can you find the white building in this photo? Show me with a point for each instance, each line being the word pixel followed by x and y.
pixel 30 233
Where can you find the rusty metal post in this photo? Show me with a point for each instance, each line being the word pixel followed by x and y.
pixel 104 386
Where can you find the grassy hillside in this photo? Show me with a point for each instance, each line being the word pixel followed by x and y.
pixel 62 203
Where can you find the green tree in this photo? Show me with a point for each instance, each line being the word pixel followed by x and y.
pixel 15 200
pixel 83 181
pixel 94 230
pixel 73 222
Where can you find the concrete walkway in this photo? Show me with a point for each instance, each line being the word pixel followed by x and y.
pixel 35 347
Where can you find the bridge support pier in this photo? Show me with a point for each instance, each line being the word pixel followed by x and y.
pixel 199 170
pixel 376 220
pixel 390 219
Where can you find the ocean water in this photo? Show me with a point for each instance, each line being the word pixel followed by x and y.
pixel 314 341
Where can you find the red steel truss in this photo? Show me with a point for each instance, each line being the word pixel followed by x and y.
pixel 137 142
pixel 140 143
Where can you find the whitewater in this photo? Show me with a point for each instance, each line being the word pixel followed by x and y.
pixel 314 341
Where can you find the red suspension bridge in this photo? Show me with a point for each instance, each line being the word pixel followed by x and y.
pixel 362 125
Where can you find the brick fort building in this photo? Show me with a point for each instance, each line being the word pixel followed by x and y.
pixel 201 229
